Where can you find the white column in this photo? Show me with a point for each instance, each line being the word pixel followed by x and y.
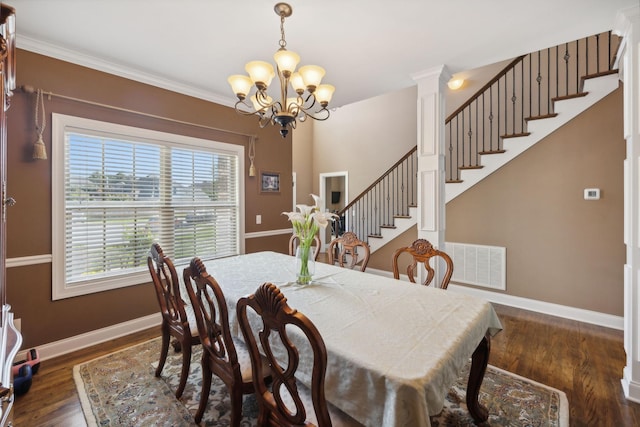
pixel 628 26
pixel 431 154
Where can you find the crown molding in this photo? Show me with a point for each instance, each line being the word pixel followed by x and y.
pixel 99 64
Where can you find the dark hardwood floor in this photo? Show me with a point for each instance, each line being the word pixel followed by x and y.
pixel 583 360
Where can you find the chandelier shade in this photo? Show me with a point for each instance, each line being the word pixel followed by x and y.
pixel 287 61
pixel 301 93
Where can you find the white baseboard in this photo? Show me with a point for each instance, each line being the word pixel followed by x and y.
pixel 631 388
pixel 581 315
pixel 68 345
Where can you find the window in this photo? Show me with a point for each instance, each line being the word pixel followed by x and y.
pixel 117 189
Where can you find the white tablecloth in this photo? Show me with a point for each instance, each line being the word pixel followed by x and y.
pixel 394 348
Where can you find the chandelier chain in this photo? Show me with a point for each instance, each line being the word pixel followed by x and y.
pixel 283 42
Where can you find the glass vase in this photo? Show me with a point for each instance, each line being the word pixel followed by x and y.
pixel 305 265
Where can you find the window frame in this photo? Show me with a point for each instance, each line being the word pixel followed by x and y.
pixel 61 123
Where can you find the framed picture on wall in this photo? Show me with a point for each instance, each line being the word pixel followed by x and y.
pixel 269 182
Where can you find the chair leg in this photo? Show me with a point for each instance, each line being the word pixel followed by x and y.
pixel 186 362
pixel 236 405
pixel 163 352
pixel 206 388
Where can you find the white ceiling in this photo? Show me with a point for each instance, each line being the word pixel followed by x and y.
pixel 368 47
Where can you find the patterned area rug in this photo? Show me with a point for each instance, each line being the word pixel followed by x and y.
pixel 120 389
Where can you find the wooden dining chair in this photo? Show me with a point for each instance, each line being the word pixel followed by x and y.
pixel 347 249
pixel 294 242
pixel 287 402
pixel 177 316
pixel 422 251
pixel 223 356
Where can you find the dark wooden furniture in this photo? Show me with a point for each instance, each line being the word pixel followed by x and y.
pixel 347 250
pixel 175 316
pixel 422 251
pixel 294 242
pixel 10 338
pixel 228 360
pixel 287 402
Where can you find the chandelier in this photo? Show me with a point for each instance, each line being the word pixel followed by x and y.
pixel 309 100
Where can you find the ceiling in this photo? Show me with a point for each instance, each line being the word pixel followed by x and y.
pixel 368 47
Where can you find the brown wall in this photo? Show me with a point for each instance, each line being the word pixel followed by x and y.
pixel 561 248
pixel 29 182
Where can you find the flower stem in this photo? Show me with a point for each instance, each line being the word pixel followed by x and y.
pixel 304 275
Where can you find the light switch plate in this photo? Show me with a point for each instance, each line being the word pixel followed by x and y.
pixel 592 194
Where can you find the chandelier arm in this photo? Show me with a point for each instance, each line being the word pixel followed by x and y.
pixel 247 113
pixel 262 98
pixel 263 121
pixel 241 111
pixel 324 111
pixel 303 105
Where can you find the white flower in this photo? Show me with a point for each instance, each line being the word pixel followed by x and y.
pixel 309 219
pixel 317 201
pixel 306 210
pixel 294 216
pixel 323 218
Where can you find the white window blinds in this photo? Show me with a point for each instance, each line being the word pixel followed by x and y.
pixel 125 188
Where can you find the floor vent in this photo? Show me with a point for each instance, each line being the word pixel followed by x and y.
pixel 479 265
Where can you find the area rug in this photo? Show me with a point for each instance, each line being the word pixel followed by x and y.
pixel 120 389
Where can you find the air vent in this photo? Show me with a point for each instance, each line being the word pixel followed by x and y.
pixel 478 265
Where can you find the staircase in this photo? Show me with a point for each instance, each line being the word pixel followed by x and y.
pixel 595 88
pixel 528 100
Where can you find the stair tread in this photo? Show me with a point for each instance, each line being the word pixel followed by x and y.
pixel 493 152
pixel 600 74
pixel 544 116
pixel 453 181
pixel 575 95
pixel 402 216
pixel 387 226
pixel 376 236
pixel 470 167
pixel 515 135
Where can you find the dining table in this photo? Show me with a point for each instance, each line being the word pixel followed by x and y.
pixel 394 348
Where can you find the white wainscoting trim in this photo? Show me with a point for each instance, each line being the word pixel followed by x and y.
pixel 268 233
pixel 579 314
pixel 28 260
pixel 68 345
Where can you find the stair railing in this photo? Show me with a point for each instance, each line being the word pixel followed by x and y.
pixel 389 197
pixel 524 90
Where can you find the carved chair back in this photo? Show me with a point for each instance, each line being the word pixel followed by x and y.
pixel 349 251
pixel 175 313
pixel 282 404
pixel 219 355
pixel 423 252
